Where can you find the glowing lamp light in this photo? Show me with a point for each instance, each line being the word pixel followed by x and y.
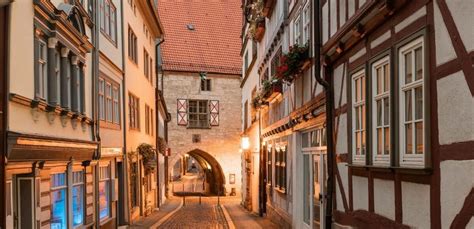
pixel 245 143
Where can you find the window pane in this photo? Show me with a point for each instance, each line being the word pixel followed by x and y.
pixel 362 108
pixel 408 138
pixel 408 68
pixel 58 209
pixel 379 141
pixel 305 139
pixel 418 63
pixel 386 110
pixel 386 79
pixel 357 90
pixel 379 113
pixel 362 81
pixel 357 143
pixel 379 80
pixel 419 138
pixel 408 106
pixel 104 199
pixel 357 119
pixel 387 141
pixel 78 205
pixel 418 103
pixel 363 143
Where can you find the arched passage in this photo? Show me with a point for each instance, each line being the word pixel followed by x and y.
pixel 212 169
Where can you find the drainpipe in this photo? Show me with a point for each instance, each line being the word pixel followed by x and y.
pixel 329 111
pixel 157 121
pixel 95 120
pixel 125 192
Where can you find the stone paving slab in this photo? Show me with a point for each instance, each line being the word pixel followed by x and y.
pixel 244 219
pixel 147 222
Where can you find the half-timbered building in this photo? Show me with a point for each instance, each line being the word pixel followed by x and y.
pixel 402 80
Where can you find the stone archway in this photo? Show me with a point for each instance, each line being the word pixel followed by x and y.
pixel 213 171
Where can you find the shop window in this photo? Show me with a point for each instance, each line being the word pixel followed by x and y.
pixel 104 192
pixel 78 198
pixel 58 201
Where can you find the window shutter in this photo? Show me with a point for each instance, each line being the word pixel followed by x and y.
pixel 214 112
pixel 182 114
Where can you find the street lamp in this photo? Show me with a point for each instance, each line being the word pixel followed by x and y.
pixel 245 143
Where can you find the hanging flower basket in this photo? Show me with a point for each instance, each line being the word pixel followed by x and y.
pixel 293 64
pixel 148 156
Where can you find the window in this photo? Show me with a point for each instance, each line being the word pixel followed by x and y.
pixel 101 99
pixel 314 139
pixel 205 85
pixel 381 111
pixel 198 114
pixel 41 87
pixel 116 104
pixel 412 128
pixel 104 192
pixel 58 201
pixel 152 127
pixel 147 119
pixel 358 117
pixel 132 46
pixel 109 101
pixel 146 68
pixel 134 109
pixel 297 31
pixel 280 167
pixel 306 23
pixel 269 165
pixel 134 184
pixel 133 6
pixel 253 111
pixel 77 198
pixel 246 62
pixel 275 62
pixel 57 70
pixel 108 25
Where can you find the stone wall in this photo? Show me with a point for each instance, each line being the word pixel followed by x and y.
pixel 223 141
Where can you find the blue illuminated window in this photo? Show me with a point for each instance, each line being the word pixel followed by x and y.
pixel 77 198
pixel 58 201
pixel 104 192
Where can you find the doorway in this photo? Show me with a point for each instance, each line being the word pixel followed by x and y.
pixel 314 178
pixel 25 214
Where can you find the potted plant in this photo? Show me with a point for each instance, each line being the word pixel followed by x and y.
pixel 271 88
pixel 256 19
pixel 148 156
pixel 293 64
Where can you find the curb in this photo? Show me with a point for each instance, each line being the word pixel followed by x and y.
pixel 227 217
pixel 167 216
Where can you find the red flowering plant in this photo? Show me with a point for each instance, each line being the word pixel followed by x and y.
pixel 291 64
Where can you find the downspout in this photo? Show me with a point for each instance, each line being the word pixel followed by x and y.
pixel 329 111
pixel 95 121
pixel 124 115
pixel 157 122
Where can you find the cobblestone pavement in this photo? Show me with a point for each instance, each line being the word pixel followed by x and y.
pixel 194 215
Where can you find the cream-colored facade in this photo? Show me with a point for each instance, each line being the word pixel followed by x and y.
pixel 141 32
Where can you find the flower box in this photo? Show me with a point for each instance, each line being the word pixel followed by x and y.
pixel 293 64
pixel 275 90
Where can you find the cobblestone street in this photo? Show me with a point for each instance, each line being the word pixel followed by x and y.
pixel 194 215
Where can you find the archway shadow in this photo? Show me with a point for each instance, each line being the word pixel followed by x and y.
pixel 212 169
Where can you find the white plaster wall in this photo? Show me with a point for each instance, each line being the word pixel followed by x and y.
pixel 21 56
pixel 461 11
pixel 456 183
pixel 416 205
pixel 384 198
pixel 444 47
pixel 351 8
pixel 360 193
pixel 333 15
pixel 341 144
pixel 342 14
pixel 343 172
pixel 455 102
pixel 410 19
pixel 357 55
pixel 325 22
pixel 340 85
pixel 471 223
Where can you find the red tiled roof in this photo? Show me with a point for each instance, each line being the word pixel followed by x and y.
pixel 213 45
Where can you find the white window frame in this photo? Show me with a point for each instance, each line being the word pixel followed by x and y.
pixel 358 159
pixel 383 159
pixel 57 188
pixel 42 69
pixel 297 30
pixel 411 160
pixel 81 183
pixel 108 179
pixel 306 12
